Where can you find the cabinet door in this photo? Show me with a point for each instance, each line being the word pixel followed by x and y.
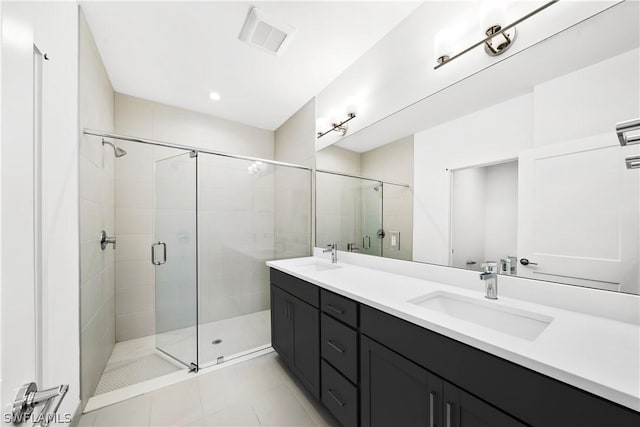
pixel 306 345
pixel 396 391
pixel 463 410
pixel 281 324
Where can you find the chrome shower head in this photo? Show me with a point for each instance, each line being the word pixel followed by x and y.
pixel 377 187
pixel 119 152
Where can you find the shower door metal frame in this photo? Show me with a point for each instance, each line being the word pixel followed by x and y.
pixel 194 367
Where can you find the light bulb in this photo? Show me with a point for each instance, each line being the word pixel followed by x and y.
pixel 321 124
pixel 334 118
pixel 443 43
pixel 214 96
pixel 351 107
pixel 493 13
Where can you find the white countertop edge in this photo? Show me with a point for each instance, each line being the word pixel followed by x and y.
pixel 615 395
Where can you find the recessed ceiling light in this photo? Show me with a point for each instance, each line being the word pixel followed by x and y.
pixel 214 96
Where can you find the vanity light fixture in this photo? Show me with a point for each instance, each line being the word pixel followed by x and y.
pixel 498 38
pixel 336 124
pixel 214 96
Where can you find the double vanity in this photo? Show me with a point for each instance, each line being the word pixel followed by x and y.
pixel 380 348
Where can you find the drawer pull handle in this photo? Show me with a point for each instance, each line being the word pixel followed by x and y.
pixel 335 347
pixel 338 401
pixel 449 407
pixel 335 310
pixel 432 397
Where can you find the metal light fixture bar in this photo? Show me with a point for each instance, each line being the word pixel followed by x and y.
pixel 497 33
pixel 339 127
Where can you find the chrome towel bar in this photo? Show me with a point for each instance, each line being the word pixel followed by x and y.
pixel 628 126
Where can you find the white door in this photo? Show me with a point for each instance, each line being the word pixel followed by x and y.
pixel 20 219
pixel 578 213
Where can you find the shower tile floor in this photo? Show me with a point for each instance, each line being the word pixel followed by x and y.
pixel 257 392
pixel 137 360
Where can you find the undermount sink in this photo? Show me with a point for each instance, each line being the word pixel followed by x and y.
pixel 314 267
pixel 518 323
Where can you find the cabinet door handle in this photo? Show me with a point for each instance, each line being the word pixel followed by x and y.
pixel 432 407
pixel 335 309
pixel 449 407
pixel 338 401
pixel 335 347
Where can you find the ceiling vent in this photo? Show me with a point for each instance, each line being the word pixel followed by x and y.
pixel 266 33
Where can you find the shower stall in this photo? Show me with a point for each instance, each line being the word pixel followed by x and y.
pixel 364 215
pixel 198 226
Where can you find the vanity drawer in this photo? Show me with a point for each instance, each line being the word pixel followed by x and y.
pixel 339 396
pixel 305 291
pixel 339 307
pixel 339 346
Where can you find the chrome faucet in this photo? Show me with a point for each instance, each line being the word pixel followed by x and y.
pixel 490 277
pixel 333 248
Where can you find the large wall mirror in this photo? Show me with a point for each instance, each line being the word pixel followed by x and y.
pixel 518 164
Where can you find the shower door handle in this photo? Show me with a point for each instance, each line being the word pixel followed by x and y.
pixel 153 253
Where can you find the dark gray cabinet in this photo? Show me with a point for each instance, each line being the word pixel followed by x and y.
pixel 295 335
pixel 395 391
pixel 281 323
pixel 379 370
pixel 464 410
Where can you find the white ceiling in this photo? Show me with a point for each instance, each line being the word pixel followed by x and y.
pixel 176 53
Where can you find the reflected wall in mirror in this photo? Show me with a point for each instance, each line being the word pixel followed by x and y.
pixel 372 215
pixel 520 164
pixel 484 216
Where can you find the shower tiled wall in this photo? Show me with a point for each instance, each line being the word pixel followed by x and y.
pixel 236 237
pixel 96 180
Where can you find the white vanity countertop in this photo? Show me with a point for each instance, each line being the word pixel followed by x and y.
pixel 593 353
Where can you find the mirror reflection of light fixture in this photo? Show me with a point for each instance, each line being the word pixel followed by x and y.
pixel 498 37
pixel 443 44
pixel 335 123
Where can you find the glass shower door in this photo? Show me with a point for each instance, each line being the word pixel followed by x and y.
pixel 174 255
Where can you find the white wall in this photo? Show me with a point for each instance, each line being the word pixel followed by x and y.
pixel 147 119
pixel 468 215
pixel 294 205
pixel 53 27
pixel 135 291
pixel 97 290
pixel 398 70
pixel 336 159
pixel 484 214
pixel 295 139
pixel 501 211
pixel 472 140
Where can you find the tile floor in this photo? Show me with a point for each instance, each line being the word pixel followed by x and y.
pixel 137 360
pixel 259 392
